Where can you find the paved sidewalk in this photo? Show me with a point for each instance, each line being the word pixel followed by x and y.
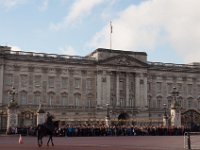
pixel 97 143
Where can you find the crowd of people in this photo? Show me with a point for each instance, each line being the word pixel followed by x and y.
pixel 114 130
pixel 122 130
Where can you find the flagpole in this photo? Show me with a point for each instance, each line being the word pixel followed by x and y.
pixel 111 35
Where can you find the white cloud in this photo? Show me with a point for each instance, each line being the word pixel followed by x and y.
pixel 8 4
pixel 68 50
pixel 151 23
pixel 80 8
pixel 44 5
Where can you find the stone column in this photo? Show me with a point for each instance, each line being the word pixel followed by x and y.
pixel 108 87
pixel 12 111
pixel 127 89
pixel 117 88
pixel 144 91
pixel 1 85
pixel 99 84
pixel 175 117
pixel 12 119
pixel 137 90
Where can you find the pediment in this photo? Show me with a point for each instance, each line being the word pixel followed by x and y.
pixel 123 60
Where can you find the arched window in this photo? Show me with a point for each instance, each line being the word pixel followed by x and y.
pixel 77 99
pixel 149 102
pixel 169 101
pixel 89 101
pixel 64 99
pixel 37 98
pixel 189 102
pixel 51 98
pixel 159 102
pixel 180 101
pixel 23 98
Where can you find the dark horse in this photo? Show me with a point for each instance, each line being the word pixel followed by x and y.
pixel 45 129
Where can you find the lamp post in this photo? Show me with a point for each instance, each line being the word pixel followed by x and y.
pixel 12 111
pixel 107 118
pixel 12 93
pixel 108 114
pixel 165 117
pixel 175 112
pixel 149 115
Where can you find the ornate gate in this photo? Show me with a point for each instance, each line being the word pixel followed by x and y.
pixel 3 122
pixel 190 118
pixel 27 119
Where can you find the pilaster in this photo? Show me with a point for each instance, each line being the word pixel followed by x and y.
pixel 117 88
pixel 108 83
pixel 127 89
pixel 99 85
pixel 137 90
pixel 1 85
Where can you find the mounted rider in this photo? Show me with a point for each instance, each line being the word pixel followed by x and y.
pixel 49 121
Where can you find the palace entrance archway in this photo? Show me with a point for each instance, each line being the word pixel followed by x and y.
pixel 123 118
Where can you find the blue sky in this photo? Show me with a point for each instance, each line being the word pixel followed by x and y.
pixel 167 30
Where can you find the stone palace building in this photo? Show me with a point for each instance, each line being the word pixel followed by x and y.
pixel 113 84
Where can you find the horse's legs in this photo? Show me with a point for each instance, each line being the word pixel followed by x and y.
pixel 39 141
pixel 50 138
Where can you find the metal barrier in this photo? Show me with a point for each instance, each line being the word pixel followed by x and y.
pixel 192 140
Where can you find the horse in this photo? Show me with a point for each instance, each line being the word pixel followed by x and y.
pixel 44 129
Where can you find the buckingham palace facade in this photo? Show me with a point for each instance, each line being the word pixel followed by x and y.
pixel 121 85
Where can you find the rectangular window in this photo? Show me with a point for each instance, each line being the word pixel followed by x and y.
pixel 77 83
pixel 64 100
pixel 158 103
pixel 169 88
pixel 77 100
pixel 64 82
pixel 9 79
pixel 37 98
pixel 159 87
pixel 23 98
pixel 89 84
pixel 51 82
pixel 179 87
pixel 37 80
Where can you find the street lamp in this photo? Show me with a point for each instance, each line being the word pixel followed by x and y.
pixel 108 114
pixel 12 93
